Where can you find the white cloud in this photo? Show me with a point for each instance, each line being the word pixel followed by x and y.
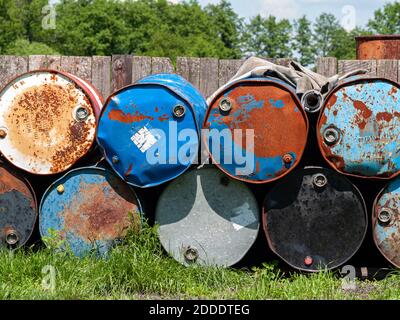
pixel 284 9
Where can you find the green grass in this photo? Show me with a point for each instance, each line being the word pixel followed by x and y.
pixel 139 269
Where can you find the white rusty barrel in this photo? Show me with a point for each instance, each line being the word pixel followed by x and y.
pixel 47 120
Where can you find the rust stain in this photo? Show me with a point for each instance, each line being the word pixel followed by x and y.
pixel 163 118
pixel 128 172
pixel 96 215
pixel 384 116
pixel 277 131
pixel 10 181
pixel 365 114
pixel 119 115
pixel 43 116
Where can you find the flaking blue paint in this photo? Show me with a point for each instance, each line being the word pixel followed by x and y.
pixel 360 147
pixel 265 169
pixel 54 204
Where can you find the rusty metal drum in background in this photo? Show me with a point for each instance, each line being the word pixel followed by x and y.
pixel 359 129
pixel 386 222
pixel 47 120
pixel 315 219
pixel 18 208
pixel 205 217
pixel 271 108
pixel 89 210
pixel 150 131
pixel 378 47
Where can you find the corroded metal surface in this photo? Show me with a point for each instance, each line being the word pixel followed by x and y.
pixel 315 219
pixel 358 130
pixel 207 218
pixel 273 111
pixel 378 47
pixel 89 209
pixel 18 209
pixel 386 222
pixel 48 121
pixel 158 118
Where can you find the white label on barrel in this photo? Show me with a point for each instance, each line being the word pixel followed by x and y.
pixel 243 218
pixel 144 139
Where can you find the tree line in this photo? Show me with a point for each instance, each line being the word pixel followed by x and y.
pixel 161 28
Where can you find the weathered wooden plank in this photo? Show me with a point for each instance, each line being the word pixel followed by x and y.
pixel 208 76
pixel 83 68
pixel 326 66
pixel 388 69
pixel 227 69
pixel 101 75
pixel 161 65
pixel 54 62
pixel 121 71
pixel 67 64
pixel 10 67
pixel 36 62
pixel 78 66
pixel 346 66
pixel 141 67
pixel 189 68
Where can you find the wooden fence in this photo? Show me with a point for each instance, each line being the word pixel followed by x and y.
pixel 111 73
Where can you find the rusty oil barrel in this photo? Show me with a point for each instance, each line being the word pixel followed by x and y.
pixel 386 222
pixel 378 47
pixel 315 219
pixel 358 129
pixel 149 132
pixel 18 208
pixel 89 210
pixel 266 109
pixel 207 218
pixel 47 120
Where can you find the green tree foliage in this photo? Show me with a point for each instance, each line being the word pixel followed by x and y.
pixel 331 39
pixel 303 41
pixel 164 28
pixel 20 19
pixel 25 48
pixel 268 37
pixel 386 20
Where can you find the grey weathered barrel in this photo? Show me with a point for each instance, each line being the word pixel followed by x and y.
pixel 207 218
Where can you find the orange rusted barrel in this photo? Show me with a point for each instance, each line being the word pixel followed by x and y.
pixel 378 47
pixel 48 120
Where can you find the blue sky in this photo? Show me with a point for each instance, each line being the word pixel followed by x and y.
pixel 292 9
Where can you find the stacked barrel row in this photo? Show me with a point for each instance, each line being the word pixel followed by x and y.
pixel 149 134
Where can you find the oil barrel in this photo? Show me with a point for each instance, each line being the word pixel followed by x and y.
pixel 256 130
pixel 314 219
pixel 207 218
pixel 377 47
pixel 358 128
pixel 386 222
pixel 150 131
pixel 47 120
pixel 88 211
pixel 18 208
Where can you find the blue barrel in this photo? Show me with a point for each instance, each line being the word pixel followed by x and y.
pixel 150 131
pixel 88 210
pixel 359 128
